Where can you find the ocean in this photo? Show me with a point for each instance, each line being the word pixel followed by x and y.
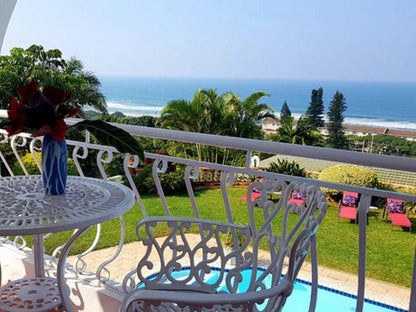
pixel 377 104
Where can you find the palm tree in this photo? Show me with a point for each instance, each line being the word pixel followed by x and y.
pixel 301 133
pixel 87 90
pixel 48 68
pixel 211 113
pixel 247 114
pixel 186 116
pixel 217 110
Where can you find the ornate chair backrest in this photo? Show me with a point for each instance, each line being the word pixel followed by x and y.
pixel 247 276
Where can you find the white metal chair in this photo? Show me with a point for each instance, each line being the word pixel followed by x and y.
pixel 178 275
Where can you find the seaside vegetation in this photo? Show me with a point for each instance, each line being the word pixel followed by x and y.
pixel 284 166
pixel 285 111
pixel 119 117
pixel 48 68
pixel 315 110
pixel 383 144
pixel 307 129
pixel 301 132
pixel 336 136
pixel 211 113
pixel 348 174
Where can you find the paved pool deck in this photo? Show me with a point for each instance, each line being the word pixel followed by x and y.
pixel 382 292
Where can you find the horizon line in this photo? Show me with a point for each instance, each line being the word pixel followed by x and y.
pixel 117 75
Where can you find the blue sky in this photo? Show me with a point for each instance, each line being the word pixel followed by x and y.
pixel 372 40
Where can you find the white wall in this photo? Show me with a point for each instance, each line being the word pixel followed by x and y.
pixel 6 10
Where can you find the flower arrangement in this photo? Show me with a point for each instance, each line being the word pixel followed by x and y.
pixel 42 111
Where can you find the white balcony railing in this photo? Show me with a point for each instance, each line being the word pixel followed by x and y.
pixel 227 175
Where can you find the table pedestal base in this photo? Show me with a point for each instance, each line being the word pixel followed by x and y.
pixel 30 294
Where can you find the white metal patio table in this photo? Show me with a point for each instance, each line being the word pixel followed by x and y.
pixel 25 210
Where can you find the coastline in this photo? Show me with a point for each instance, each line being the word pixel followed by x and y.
pixel 374 104
pixel 372 126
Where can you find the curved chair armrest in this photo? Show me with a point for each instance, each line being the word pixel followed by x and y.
pixel 185 298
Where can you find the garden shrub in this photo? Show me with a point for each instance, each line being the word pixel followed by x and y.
pixel 32 167
pixel 288 168
pixel 406 189
pixel 348 174
pixel 172 182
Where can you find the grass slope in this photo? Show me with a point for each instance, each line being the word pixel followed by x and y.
pixel 389 253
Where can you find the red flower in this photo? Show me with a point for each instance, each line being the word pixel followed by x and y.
pixel 42 112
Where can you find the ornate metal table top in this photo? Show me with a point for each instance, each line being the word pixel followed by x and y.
pixel 24 209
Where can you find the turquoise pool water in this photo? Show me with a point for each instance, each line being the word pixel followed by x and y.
pixel 328 300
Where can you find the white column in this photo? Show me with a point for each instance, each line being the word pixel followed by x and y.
pixel 6 10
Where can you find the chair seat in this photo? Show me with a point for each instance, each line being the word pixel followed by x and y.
pixel 348 213
pixel 399 219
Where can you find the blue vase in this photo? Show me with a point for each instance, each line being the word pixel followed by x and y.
pixel 54 166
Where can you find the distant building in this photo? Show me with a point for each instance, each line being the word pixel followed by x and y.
pixel 364 131
pixel 270 125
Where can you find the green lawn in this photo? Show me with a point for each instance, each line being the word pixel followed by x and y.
pixel 389 253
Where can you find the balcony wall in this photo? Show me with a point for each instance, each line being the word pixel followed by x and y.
pixel 102 281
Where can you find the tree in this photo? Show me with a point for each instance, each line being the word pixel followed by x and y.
pixel 211 113
pixel 183 115
pixel 84 85
pixel 285 111
pixel 385 144
pixel 315 110
pixel 301 133
pixel 348 174
pixel 118 117
pixel 286 167
pixel 336 137
pixel 246 114
pixel 119 114
pixel 193 116
pixel 48 68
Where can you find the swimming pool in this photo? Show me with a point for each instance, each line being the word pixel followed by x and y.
pixel 328 299
pixel 298 301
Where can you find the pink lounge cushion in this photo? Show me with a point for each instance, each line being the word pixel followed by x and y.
pixel 254 195
pixel 348 213
pixel 296 201
pixel 395 205
pixel 298 195
pixel 399 219
pixel 350 199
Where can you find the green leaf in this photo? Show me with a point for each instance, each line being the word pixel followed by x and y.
pixel 110 135
pixel 4 123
